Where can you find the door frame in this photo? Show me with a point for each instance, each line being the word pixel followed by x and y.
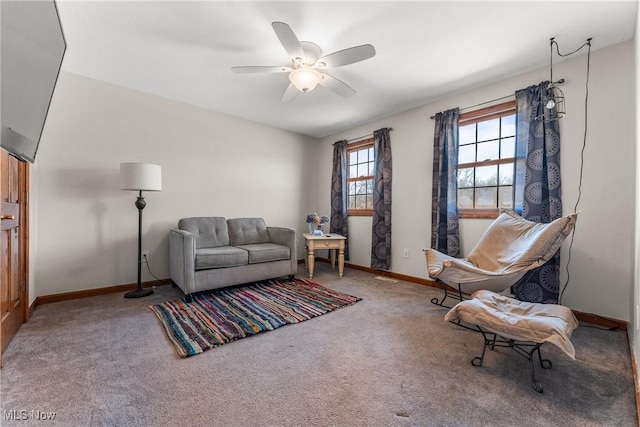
pixel 23 189
pixel 23 238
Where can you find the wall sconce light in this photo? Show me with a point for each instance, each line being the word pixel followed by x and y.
pixel 554 108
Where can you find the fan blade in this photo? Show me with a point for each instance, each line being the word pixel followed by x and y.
pixel 347 56
pixel 337 86
pixel 289 40
pixel 290 93
pixel 261 69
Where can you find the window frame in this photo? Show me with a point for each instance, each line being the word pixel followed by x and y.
pixel 357 146
pixel 471 117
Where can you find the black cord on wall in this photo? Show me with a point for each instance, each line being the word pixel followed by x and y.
pixel 584 146
pixel 146 261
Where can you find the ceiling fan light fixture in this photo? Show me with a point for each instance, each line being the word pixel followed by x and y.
pixel 308 64
pixel 305 79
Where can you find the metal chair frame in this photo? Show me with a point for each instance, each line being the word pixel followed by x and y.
pixel 525 349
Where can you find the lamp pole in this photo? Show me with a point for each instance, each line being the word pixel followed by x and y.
pixel 139 292
pixel 140 177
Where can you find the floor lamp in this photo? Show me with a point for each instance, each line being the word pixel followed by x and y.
pixel 140 177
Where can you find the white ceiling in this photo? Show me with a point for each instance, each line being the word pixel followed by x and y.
pixel 426 50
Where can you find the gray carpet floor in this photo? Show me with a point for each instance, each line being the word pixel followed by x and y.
pixel 388 360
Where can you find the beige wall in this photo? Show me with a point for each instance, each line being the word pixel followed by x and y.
pixel 601 268
pixel 85 228
pixel 634 308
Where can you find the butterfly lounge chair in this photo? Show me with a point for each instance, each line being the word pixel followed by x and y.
pixel 508 249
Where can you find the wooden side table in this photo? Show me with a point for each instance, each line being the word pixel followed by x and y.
pixel 330 241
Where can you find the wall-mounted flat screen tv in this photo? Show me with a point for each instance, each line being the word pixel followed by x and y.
pixel 32 48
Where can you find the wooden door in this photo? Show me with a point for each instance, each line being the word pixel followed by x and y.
pixel 13 246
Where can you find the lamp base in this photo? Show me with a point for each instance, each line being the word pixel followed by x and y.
pixel 139 293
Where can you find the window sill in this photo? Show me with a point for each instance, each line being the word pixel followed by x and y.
pixel 478 213
pixel 360 212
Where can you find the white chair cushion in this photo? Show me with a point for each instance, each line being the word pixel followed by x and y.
pixel 512 243
pixel 518 320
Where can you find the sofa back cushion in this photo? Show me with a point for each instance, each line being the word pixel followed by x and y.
pixel 247 231
pixel 210 231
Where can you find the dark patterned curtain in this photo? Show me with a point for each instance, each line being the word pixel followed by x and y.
pixel 381 228
pixel 338 221
pixel 537 184
pixel 445 236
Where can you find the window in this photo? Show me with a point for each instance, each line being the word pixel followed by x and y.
pixel 360 178
pixel 486 148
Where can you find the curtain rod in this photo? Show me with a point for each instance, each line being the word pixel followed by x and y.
pixel 364 136
pixel 369 135
pixel 494 100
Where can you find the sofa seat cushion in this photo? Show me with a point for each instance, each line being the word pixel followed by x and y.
pixel 266 252
pixel 220 257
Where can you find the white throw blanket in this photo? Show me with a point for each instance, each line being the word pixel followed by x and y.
pixel 518 320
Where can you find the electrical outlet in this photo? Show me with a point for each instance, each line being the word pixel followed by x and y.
pixel 405 252
pixel 145 256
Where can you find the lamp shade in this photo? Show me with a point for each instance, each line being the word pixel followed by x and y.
pixel 140 177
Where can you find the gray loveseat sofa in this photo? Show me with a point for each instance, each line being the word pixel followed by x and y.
pixel 213 252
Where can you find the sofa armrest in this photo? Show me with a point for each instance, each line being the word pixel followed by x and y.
pixel 287 237
pixel 182 259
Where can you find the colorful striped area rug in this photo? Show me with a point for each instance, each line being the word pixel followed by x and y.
pixel 227 315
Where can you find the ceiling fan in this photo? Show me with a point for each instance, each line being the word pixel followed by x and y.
pixel 307 64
